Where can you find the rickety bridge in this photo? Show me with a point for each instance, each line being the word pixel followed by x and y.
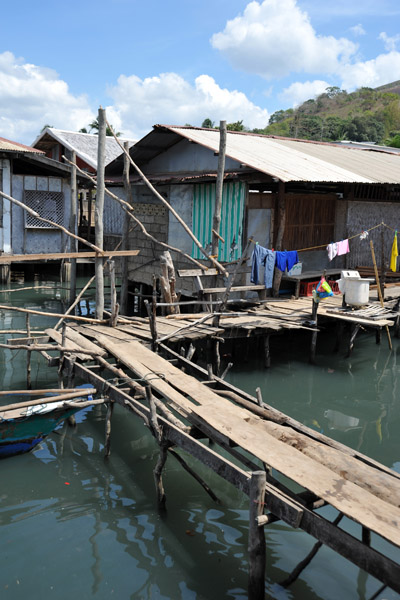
pixel 182 411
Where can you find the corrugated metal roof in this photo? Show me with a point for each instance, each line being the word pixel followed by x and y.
pixel 84 144
pixel 299 160
pixel 9 146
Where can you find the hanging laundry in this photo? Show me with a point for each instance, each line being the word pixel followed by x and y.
pixel 332 250
pixel 343 247
pixel 395 253
pixel 364 235
pixel 285 260
pixel 265 257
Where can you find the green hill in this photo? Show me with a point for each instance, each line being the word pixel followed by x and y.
pixel 367 114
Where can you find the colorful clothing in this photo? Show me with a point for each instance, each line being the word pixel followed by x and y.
pixel 394 255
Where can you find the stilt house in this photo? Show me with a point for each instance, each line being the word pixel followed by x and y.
pixel 313 193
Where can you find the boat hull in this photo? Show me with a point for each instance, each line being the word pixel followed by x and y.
pixel 21 435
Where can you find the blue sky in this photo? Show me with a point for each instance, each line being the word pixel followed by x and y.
pixel 180 61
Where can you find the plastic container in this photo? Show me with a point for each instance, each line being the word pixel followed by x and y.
pixel 354 288
pixel 357 291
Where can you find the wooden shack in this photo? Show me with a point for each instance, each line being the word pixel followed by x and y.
pixel 43 185
pixel 285 193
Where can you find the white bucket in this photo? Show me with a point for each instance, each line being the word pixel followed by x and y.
pixel 357 291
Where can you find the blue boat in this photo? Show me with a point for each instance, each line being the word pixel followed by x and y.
pixel 22 428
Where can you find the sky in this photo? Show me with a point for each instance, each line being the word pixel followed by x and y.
pixel 179 62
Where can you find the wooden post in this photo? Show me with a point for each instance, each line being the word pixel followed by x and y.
pixel 219 188
pixel 113 292
pixel 107 443
pixel 383 269
pixel 99 211
pixel 257 549
pixel 125 235
pixel 314 333
pixel 217 358
pixel 267 354
pixel 354 330
pixel 73 228
pixel 28 355
pixel 279 235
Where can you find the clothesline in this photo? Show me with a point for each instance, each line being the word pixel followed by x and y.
pixel 350 238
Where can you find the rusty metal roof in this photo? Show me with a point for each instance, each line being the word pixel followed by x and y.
pixel 9 146
pixel 295 160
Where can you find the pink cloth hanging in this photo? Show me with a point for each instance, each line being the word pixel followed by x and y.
pixel 343 247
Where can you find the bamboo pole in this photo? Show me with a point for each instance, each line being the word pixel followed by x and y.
pixel 48 314
pixel 128 208
pixel 99 211
pixel 73 227
pixel 60 398
pixel 219 188
pixel 125 234
pixel 280 234
pixel 379 289
pixel 171 209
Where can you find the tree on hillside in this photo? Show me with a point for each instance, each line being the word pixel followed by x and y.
pixel 237 126
pixel 208 124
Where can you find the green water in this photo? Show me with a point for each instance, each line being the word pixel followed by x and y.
pixel 75 526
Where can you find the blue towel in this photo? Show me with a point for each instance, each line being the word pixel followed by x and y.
pixel 285 260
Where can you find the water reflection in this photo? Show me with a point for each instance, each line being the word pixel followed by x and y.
pixel 91 528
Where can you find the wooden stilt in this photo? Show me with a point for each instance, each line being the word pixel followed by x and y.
pixel 227 369
pixel 267 356
pixel 157 432
pixel 303 564
pixel 28 355
pixel 315 332
pixel 259 397
pixel 125 235
pixel 107 444
pixel 114 303
pixel 354 330
pixel 257 549
pixel 339 335
pixel 366 536
pixel 378 335
pixel 99 210
pixel 217 358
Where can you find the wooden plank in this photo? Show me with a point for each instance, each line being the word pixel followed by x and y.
pixel 11 258
pixel 235 288
pixel 83 342
pixel 69 344
pixel 197 272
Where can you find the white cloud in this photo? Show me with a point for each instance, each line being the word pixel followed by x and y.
pixel 358 30
pixel 298 92
pixel 32 96
pixel 138 104
pixel 274 38
pixel 371 73
pixel 389 42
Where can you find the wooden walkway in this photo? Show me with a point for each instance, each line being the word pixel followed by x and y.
pixel 185 411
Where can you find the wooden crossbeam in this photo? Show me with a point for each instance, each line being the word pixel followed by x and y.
pixel 11 258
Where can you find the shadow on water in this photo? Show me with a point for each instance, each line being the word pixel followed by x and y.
pixel 75 525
